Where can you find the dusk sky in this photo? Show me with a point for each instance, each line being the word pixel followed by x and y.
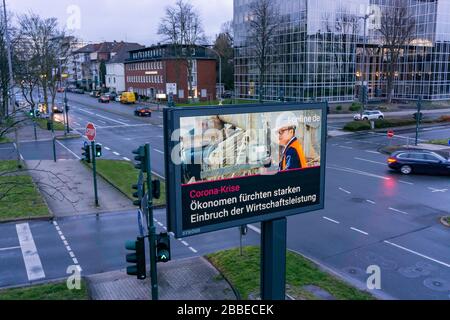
pixel 130 20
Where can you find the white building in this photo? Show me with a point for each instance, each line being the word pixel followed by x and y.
pixel 115 68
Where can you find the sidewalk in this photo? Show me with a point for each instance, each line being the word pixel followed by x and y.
pixel 187 279
pixel 68 188
pixel 391 114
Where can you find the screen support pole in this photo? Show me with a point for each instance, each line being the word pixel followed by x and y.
pixel 273 259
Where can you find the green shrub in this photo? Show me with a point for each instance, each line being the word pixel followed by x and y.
pixel 357 126
pixel 339 108
pixel 380 124
pixel 355 107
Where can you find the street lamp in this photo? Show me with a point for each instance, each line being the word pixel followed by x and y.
pixel 363 69
pixel 220 71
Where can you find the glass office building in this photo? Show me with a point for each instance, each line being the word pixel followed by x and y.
pixel 319 52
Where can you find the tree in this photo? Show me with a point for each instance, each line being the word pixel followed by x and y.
pixel 102 74
pixel 264 20
pixel 397 29
pixel 224 46
pixel 181 27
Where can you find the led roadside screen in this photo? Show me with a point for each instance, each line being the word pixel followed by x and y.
pixel 237 165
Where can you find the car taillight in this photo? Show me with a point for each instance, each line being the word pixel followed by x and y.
pixel 392 160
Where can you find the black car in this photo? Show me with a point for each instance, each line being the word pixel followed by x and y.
pixel 143 112
pixel 419 161
pixel 78 91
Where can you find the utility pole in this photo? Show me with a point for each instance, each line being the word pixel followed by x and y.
pixel 12 99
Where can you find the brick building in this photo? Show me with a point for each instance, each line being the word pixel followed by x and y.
pixel 160 70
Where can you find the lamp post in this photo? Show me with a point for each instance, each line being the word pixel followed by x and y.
pixel 363 69
pixel 220 71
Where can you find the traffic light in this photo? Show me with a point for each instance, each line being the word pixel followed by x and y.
pixel 139 194
pixel 86 153
pixel 163 247
pixel 98 150
pixel 141 158
pixel 156 189
pixel 138 268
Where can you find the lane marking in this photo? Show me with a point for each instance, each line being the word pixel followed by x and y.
pixel 159 151
pixel 345 147
pixel 405 182
pixel 10 248
pixel 126 159
pixel 79 158
pixel 120 122
pixel 373 152
pixel 68 248
pixel 354 171
pixel 399 211
pixel 30 255
pixel 418 254
pixel 185 243
pixel 158 175
pixel 329 219
pixel 370 201
pixel 193 250
pixel 434 190
pixel 116 153
pixel 107 148
pixel 160 224
pixel 371 161
pixel 21 157
pixel 360 231
pixel 346 191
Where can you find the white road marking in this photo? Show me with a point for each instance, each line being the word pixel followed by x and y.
pixel 10 248
pixel 77 124
pixel 405 182
pixel 82 110
pixel 434 190
pixel 68 248
pixel 371 161
pixel 257 230
pixel 418 254
pixel 30 255
pixel 374 152
pixel 126 159
pixel 21 157
pixel 65 243
pixel 160 224
pixel 370 201
pixel 71 254
pixel 78 157
pixel 101 121
pixel 346 191
pixel 158 175
pixel 193 250
pixel 120 122
pixel 349 170
pixel 107 148
pixel 75 260
pixel 334 221
pixel 345 147
pixel 399 211
pixel 360 231
pixel 116 153
pixel 159 151
pixel 172 234
pixel 185 243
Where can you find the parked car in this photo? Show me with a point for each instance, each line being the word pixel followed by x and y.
pixel 118 98
pixel 112 96
pixel 419 161
pixel 142 111
pixel 128 97
pixel 60 90
pixel 103 99
pixel 58 108
pixel 369 115
pixel 78 91
pixel 95 94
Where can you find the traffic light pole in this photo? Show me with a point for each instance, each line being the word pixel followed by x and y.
pixel 151 225
pixel 419 107
pixel 273 259
pixel 94 167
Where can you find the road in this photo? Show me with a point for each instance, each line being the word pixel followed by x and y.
pixel 372 216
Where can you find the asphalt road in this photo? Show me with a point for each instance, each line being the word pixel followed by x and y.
pixel 372 217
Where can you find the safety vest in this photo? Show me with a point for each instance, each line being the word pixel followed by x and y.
pixel 301 155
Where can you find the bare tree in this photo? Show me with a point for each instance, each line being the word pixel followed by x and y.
pixel 397 29
pixel 224 46
pixel 181 27
pixel 264 20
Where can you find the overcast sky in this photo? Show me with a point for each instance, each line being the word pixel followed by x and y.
pixel 130 20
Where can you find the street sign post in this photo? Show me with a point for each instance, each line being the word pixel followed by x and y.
pixel 390 134
pixel 91 133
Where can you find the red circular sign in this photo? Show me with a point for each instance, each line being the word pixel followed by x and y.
pixel 390 134
pixel 90 131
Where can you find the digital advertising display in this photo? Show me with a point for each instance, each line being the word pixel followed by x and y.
pixel 236 165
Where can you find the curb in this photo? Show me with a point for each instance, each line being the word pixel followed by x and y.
pixel 39 218
pixel 235 291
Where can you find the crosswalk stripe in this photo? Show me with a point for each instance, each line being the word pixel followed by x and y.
pixel 30 255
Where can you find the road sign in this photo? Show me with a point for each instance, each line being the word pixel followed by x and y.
pixel 449 142
pixel 390 134
pixel 91 131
